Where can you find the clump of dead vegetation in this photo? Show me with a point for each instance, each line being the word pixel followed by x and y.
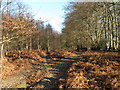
pixel 96 70
pixel 62 53
pixel 16 61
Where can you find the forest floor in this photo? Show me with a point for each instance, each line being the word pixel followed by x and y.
pixel 61 69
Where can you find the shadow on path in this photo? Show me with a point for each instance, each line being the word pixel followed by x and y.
pixel 58 70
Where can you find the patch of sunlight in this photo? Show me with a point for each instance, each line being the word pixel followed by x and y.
pixel 45 66
pixel 50 75
pixel 22 85
pixel 66 59
pixel 46 80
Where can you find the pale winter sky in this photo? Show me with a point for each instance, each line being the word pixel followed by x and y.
pixel 51 11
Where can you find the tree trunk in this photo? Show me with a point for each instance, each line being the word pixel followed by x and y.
pixel 116 27
pixel 2 52
pixel 1 38
pixel 27 47
pixel 48 45
pixel 30 43
pixel 38 46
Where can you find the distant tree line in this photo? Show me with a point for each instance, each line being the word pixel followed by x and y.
pixel 92 25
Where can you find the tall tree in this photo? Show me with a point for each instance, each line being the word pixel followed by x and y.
pixel 92 25
pixel 49 31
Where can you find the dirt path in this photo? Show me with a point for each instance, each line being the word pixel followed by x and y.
pixel 57 71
